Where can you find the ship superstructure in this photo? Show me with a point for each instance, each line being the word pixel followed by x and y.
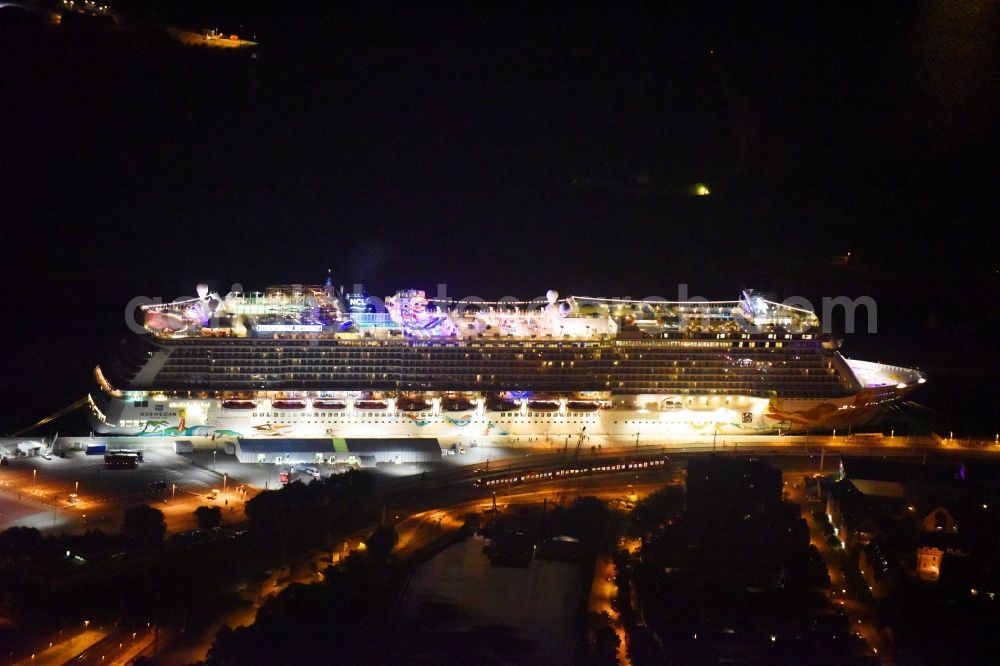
pixel 306 361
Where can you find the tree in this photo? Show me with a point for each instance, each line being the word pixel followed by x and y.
pixel 656 509
pixel 145 524
pixel 381 542
pixel 208 517
pixel 301 516
pixel 16 542
pixel 354 484
pixel 606 642
pixel 590 520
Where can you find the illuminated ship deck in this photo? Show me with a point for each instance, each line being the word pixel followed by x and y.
pixel 292 352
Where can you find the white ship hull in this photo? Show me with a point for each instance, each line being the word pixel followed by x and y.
pixel 688 415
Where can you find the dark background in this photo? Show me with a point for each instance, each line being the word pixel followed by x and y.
pixel 504 151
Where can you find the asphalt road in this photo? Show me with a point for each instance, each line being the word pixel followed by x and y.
pixel 36 492
pixel 428 507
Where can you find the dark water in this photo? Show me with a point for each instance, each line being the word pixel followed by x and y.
pixel 533 609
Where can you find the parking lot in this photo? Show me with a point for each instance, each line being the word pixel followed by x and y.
pixel 38 491
pixel 77 492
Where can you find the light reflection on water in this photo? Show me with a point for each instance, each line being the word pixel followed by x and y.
pixel 458 590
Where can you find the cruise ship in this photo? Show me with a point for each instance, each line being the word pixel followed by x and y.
pixel 313 362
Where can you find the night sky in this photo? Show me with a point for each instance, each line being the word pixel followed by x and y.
pixel 504 151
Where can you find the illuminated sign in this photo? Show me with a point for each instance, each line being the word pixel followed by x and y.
pixel 290 328
pixel 357 303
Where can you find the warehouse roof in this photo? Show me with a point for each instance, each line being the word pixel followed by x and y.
pixel 339 445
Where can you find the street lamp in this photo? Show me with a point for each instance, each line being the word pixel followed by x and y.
pixel 34 476
pixel 173 492
pixel 225 480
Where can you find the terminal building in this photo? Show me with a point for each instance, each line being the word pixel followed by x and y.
pixel 363 452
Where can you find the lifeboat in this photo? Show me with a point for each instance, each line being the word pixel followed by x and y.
pixel 328 404
pixel 239 404
pixel 457 405
pixel 498 405
pixel 371 404
pixel 288 404
pixel 543 405
pixel 582 406
pixel 405 405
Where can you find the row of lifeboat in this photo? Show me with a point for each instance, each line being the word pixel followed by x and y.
pixel 571 405
pixel 416 405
